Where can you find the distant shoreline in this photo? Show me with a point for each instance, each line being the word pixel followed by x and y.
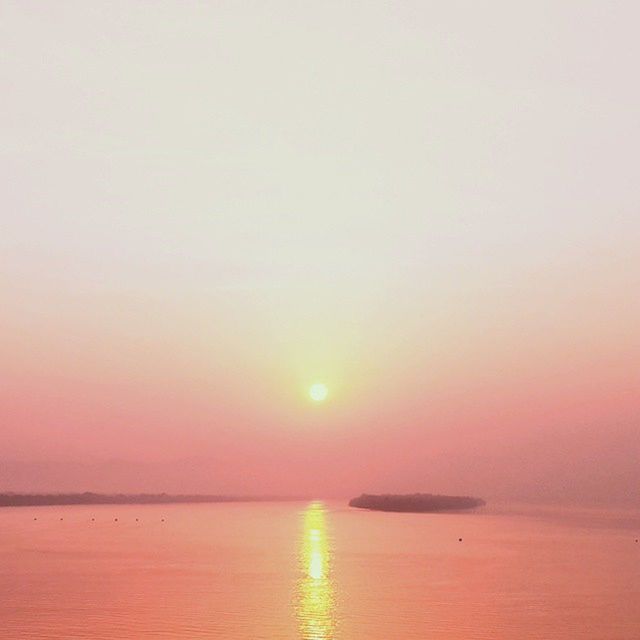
pixel 89 498
pixel 415 503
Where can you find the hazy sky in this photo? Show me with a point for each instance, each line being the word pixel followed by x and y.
pixel 431 207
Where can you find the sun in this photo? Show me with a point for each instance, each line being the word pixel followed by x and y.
pixel 318 392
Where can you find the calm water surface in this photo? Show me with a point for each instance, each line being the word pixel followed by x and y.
pixel 316 571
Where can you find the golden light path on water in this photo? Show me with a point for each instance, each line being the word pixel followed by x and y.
pixel 315 593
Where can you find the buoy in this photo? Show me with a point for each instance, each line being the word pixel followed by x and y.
pixel 459 539
pixel 37 518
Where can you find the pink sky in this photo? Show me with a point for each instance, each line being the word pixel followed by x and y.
pixel 433 208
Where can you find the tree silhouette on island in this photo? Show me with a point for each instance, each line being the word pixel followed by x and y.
pixel 415 502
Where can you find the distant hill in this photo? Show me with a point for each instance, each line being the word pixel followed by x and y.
pixel 32 500
pixel 415 502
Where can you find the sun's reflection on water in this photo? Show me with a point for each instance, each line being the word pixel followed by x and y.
pixel 315 593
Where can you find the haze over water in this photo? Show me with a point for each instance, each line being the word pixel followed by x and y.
pixel 316 571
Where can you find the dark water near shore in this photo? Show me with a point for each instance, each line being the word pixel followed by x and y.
pixel 316 571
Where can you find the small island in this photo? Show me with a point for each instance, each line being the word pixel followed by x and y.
pixel 415 502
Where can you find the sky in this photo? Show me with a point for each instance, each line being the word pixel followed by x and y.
pixel 433 208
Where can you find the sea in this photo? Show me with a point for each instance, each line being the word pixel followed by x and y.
pixel 317 570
